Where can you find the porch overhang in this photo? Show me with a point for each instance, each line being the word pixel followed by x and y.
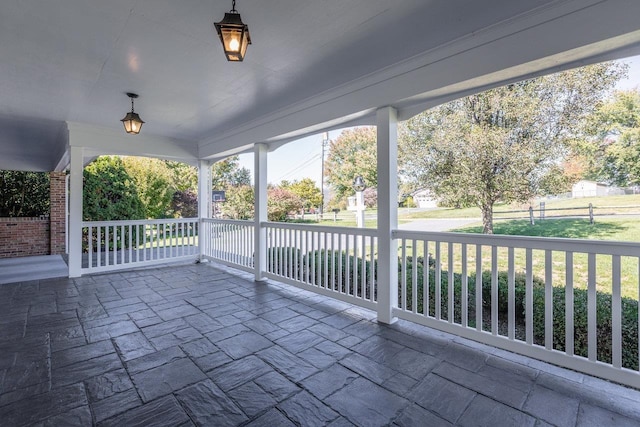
pixel 72 63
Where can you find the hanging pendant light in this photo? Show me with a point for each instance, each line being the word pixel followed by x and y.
pixel 132 121
pixel 234 35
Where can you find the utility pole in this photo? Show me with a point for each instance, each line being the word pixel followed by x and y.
pixel 325 143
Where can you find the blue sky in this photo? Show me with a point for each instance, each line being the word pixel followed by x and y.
pixel 302 158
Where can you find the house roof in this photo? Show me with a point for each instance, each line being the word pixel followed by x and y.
pixel 313 66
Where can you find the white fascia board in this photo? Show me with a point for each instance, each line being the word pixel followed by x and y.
pixel 538 38
pixel 98 140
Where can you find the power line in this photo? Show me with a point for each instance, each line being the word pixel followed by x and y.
pixel 298 167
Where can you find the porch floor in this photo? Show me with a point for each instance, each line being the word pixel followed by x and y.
pixel 196 344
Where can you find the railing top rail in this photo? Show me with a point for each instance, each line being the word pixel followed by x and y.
pixel 322 228
pixel 229 221
pixel 543 243
pixel 137 222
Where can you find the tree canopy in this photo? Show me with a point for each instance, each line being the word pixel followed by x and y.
pixel 306 189
pixel 506 144
pixel 154 182
pixel 612 148
pixel 109 192
pixel 353 153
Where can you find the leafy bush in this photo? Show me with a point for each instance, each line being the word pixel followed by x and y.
pixel 24 194
pixel 109 194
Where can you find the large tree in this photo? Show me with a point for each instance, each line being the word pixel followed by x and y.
pixel 506 144
pixel 612 149
pixel 154 182
pixel 353 153
pixel 227 173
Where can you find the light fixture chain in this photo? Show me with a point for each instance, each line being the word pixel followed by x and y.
pixel 233 7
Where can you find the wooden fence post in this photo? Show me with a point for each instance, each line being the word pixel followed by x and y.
pixel 590 213
pixel 531 221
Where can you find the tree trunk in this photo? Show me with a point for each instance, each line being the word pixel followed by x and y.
pixel 487 219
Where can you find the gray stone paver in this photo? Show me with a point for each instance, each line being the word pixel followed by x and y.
pixel 198 345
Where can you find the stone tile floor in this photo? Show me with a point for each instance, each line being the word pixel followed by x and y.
pixel 198 345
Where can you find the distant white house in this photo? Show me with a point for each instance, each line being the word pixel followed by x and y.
pixel 586 188
pixel 424 199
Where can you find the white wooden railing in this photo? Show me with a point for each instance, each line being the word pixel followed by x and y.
pixel 230 242
pixel 334 261
pixel 586 277
pixel 114 245
pixel 591 327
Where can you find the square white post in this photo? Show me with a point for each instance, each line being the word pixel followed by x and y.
pixel 75 211
pixel 387 162
pixel 204 206
pixel 260 209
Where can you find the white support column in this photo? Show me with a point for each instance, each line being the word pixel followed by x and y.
pixel 387 156
pixel 204 203
pixel 260 189
pixel 75 211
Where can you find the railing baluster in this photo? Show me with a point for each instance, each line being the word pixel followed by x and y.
pixel 355 266
pixel 90 246
pixel 592 332
pixel 494 290
pixel 438 283
pixel 347 269
pixel 314 255
pixel 511 322
pixel 403 277
pixel 363 276
pixel 464 298
pixel 414 276
pixel 340 275
pixel 308 256
pixel 325 264
pixel 529 296
pixel 372 281
pixel 425 278
pixel 99 245
pixel 450 284
pixel 548 300
pixel 568 314
pixel 478 287
pixel 107 243
pixel 616 313
pixel 122 243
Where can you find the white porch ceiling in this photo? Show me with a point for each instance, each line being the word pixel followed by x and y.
pixel 313 65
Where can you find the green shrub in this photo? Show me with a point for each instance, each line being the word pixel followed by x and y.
pixel 603 310
pixel 330 260
pixel 284 260
pixel 580 321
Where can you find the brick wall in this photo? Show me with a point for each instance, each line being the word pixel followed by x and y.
pixel 57 212
pixel 37 236
pixel 24 237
